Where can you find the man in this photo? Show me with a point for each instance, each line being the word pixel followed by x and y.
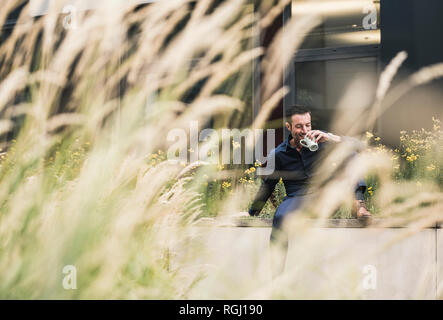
pixel 295 164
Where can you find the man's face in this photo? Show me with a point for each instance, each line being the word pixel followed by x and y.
pixel 299 126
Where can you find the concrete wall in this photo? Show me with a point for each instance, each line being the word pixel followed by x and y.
pixel 322 263
pixel 439 258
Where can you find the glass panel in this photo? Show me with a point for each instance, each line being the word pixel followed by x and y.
pixel 321 84
pixel 344 22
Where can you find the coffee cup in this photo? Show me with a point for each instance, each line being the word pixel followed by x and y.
pixel 310 144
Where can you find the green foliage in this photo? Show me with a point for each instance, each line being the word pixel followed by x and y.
pixel 418 158
pixel 422 154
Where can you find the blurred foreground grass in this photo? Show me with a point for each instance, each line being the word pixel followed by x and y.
pixel 85 111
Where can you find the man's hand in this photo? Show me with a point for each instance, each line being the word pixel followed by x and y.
pixel 320 136
pixel 317 136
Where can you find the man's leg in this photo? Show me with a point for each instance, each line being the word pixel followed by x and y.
pixel 359 210
pixel 360 190
pixel 279 237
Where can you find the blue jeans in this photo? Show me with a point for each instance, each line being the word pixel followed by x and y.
pixel 289 206
pixel 292 204
pixel 279 238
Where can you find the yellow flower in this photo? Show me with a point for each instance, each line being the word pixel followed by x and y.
pixel 257 163
pixel 226 184
pixel 369 135
pixel 377 139
pixel 370 192
pixel 252 169
pixel 370 188
pixel 408 150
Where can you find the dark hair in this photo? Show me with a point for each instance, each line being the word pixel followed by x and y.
pixel 296 109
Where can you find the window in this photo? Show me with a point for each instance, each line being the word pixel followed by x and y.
pixel 322 84
pixel 345 23
pixel 343 48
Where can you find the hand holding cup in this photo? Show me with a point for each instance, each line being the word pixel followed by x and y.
pixel 310 144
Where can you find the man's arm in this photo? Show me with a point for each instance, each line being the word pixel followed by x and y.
pixel 333 137
pixel 320 136
pixel 266 188
pixel 262 196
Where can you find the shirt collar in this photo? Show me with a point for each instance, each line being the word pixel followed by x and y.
pixel 287 143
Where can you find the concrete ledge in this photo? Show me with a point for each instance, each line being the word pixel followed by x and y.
pixel 322 263
pixel 315 223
